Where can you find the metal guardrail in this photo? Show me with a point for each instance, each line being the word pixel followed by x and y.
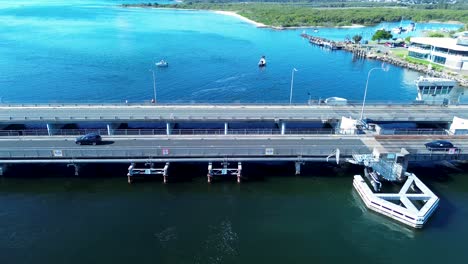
pixel 259 131
pixel 171 152
pixel 212 103
pixel 422 131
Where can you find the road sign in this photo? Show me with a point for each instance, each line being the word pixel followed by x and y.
pixel 452 151
pixel 57 153
pixel 165 151
pixel 269 151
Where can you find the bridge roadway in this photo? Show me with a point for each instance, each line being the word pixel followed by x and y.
pixel 226 113
pixel 212 148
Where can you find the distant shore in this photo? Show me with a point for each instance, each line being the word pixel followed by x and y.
pixel 236 15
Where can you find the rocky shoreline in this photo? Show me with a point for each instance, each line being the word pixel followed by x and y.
pixel 363 51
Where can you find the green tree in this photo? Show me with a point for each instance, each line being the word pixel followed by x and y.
pixel 357 38
pixel 381 34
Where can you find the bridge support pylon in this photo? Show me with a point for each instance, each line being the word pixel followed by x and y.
pixel 3 168
pixel 142 172
pixel 297 165
pixel 224 171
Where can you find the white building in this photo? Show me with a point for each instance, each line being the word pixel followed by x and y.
pixel 449 52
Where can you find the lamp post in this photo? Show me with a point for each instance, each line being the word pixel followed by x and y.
pixel 154 85
pixel 383 68
pixel 292 83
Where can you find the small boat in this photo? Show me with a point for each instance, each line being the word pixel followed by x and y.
pixel 373 178
pixel 162 63
pixel 262 62
pixel 336 101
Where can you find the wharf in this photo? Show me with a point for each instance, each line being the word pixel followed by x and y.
pixel 365 51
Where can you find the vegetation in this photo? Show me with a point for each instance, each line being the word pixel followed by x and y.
pixel 434 66
pixel 357 38
pixel 290 15
pixel 436 35
pixel 381 34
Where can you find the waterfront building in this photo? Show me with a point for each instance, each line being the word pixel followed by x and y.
pixel 448 52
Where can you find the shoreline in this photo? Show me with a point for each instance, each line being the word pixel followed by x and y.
pixel 261 25
pixel 240 17
pixel 243 18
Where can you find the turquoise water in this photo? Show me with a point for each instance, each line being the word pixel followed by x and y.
pixel 95 51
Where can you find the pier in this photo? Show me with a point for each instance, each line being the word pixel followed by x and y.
pixel 365 51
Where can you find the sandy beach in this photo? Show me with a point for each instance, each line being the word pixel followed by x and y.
pixel 234 14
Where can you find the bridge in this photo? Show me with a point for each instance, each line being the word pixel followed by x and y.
pixel 226 118
pixel 44 138
pixel 49 142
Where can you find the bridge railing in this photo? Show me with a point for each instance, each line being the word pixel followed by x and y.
pixel 86 152
pixel 247 131
pixel 212 103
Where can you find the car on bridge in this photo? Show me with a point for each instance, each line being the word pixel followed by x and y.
pixel 89 139
pixel 441 145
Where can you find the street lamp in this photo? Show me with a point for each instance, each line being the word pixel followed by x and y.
pixel 154 85
pixel 383 68
pixel 292 82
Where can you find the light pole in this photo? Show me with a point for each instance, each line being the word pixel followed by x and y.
pixel 154 85
pixel 292 83
pixel 383 68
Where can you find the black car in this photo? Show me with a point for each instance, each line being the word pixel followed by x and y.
pixel 440 145
pixel 90 138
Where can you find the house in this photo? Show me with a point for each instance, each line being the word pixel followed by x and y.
pixel 448 52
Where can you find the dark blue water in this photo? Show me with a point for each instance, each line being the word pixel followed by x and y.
pixel 95 51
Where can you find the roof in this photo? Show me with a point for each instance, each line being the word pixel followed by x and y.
pixel 448 43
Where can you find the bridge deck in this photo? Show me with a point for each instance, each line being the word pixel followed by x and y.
pixel 177 148
pixel 229 113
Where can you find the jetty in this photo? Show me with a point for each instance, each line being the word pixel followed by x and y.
pixel 366 52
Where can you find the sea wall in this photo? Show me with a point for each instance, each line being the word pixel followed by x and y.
pixel 368 52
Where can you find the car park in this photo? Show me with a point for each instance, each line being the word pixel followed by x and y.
pixel 89 139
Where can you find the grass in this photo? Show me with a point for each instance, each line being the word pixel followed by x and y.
pixel 435 67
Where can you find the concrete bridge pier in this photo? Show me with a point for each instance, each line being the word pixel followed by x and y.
pixel 297 165
pixel 165 172
pixel 3 168
pixel 239 172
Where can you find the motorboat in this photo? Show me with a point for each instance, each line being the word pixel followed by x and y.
pixel 336 101
pixel 162 63
pixel 373 178
pixel 262 62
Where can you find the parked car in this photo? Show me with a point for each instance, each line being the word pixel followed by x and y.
pixel 441 145
pixel 91 138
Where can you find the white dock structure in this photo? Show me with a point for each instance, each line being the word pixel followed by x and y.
pixel 404 210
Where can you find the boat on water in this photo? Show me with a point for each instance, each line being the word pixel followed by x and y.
pixel 262 62
pixel 336 101
pixel 398 30
pixel 373 178
pixel 162 63
pixel 411 27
